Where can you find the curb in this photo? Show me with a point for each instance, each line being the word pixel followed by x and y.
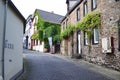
pixel 23 75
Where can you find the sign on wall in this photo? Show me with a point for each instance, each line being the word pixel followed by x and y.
pixel 9 45
pixel 107 45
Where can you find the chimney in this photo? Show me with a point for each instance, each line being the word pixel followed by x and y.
pixel 67 2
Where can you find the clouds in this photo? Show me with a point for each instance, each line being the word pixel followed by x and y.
pixel 27 7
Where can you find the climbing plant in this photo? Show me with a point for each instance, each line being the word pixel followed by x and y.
pixel 53 30
pixel 35 36
pixel 88 23
pixel 46 29
pixel 39 22
pixel 67 31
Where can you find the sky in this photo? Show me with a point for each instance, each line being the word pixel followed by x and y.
pixel 27 7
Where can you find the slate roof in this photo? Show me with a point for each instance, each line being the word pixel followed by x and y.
pixel 50 16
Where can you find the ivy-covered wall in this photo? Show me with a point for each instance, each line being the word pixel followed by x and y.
pixel 46 29
pixel 88 23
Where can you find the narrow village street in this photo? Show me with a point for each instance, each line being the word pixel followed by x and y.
pixel 67 40
pixel 44 66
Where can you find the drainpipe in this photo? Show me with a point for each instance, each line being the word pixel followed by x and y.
pixel 4 33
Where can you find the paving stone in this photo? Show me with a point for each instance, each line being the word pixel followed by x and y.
pixel 43 66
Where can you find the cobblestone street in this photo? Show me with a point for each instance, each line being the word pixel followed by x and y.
pixel 43 66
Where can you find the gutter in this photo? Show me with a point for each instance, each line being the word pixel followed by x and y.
pixel 4 33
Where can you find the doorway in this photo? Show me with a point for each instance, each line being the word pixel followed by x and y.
pixel 79 42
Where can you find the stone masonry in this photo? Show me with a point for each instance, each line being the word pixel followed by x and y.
pixel 110 14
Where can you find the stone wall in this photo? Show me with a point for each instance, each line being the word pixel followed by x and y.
pixel 110 14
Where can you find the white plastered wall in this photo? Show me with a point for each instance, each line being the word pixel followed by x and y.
pixel 13 54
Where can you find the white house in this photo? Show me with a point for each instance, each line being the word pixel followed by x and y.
pixel 47 17
pixel 29 30
pixel 36 44
pixel 11 33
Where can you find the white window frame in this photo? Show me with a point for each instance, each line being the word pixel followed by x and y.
pixel 85 8
pixel 94 4
pixel 96 35
pixel 86 38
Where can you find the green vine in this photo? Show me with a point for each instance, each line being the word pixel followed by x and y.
pixel 40 22
pixel 68 31
pixel 88 23
pixel 35 36
pixel 46 29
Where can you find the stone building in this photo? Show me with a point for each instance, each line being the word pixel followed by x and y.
pixel 105 42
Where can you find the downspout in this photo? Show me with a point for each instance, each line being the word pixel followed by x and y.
pixel 4 33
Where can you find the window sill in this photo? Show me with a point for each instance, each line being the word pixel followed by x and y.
pixel 95 43
pixel 94 8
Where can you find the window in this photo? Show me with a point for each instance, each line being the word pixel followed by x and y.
pixel 85 8
pixel 78 14
pixel 94 4
pixel 119 35
pixel 86 39
pixel 63 27
pixel 40 42
pixel 36 42
pixel 36 19
pixel 33 42
pixel 66 23
pixel 95 35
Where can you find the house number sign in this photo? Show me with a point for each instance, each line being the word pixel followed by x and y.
pixel 9 45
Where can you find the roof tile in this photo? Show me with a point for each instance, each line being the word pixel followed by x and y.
pixel 50 16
